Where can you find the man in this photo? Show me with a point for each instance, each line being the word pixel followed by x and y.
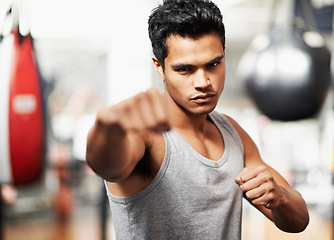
pixel 174 168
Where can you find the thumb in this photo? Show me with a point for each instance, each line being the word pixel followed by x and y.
pixel 238 179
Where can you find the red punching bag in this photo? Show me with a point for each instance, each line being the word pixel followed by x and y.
pixel 22 125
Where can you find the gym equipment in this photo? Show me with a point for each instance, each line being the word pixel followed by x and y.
pixel 22 119
pixel 287 72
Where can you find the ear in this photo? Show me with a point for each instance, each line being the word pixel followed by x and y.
pixel 158 67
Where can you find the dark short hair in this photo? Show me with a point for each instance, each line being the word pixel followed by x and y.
pixel 186 18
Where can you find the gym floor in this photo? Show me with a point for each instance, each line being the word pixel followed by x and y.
pixel 88 227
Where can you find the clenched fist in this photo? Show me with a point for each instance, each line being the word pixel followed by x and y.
pixel 260 187
pixel 144 111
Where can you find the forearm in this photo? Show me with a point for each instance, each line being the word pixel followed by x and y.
pixel 120 135
pixel 292 214
pixel 272 195
pixel 263 186
pixel 108 152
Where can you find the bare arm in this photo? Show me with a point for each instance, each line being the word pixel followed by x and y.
pixel 268 191
pixel 119 137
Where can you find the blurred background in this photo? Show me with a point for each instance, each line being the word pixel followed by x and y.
pixel 89 54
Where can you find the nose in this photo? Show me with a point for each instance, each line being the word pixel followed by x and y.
pixel 201 79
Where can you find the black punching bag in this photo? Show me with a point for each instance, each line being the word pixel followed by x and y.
pixel 288 74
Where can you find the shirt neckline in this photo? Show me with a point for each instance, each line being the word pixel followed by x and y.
pixel 201 158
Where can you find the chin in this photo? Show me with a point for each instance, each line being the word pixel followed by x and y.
pixel 202 110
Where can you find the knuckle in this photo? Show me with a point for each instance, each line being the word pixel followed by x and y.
pixel 268 187
pixel 138 98
pixel 262 168
pixel 125 111
pixel 140 95
pixel 124 106
pixel 107 116
pixel 270 196
pixel 266 176
pixel 153 91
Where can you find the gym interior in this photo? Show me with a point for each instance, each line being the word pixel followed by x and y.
pixel 84 55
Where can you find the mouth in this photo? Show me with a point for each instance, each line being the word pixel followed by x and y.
pixel 202 98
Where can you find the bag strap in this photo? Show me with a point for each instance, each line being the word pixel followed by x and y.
pixel 308 15
pixel 5 24
pixel 15 18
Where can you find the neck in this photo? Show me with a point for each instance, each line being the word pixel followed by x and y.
pixel 183 120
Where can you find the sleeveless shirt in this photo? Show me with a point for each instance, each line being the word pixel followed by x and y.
pixel 191 197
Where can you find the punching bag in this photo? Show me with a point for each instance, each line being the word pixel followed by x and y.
pixel 288 73
pixel 22 125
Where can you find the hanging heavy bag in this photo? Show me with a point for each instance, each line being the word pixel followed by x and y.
pixel 287 72
pixel 22 125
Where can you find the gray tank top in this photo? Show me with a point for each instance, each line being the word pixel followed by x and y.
pixel 191 197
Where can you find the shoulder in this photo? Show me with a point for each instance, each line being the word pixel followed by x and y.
pixel 229 121
pixel 242 133
pixel 251 152
pixel 226 119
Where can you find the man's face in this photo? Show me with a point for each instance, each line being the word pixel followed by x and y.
pixel 194 73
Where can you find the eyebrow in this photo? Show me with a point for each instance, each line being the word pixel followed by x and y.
pixel 219 58
pixel 184 65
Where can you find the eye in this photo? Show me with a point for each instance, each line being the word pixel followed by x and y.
pixel 184 70
pixel 213 64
